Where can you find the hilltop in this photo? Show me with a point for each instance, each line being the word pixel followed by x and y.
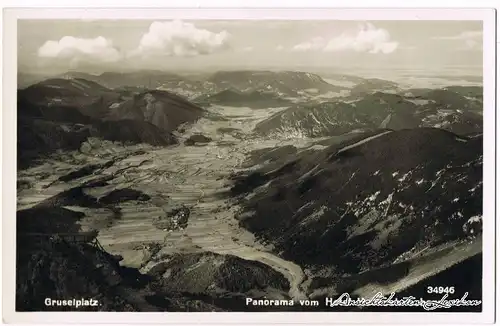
pixel 163 109
pixel 253 99
pixel 378 110
pixel 438 108
pixel 370 85
pixel 390 194
pixel 86 97
pixel 283 83
pixel 145 78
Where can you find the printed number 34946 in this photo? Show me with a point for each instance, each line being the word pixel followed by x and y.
pixel 441 289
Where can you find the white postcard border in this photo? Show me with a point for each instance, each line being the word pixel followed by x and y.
pixel 9 123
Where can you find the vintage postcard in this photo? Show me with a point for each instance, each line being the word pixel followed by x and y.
pixel 176 161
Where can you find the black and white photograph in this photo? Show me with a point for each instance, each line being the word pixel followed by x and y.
pixel 251 165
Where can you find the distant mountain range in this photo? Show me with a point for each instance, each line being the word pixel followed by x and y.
pixel 63 113
pixel 145 78
pixel 370 85
pixel 284 83
pixel 439 108
pixel 468 98
pixel 80 98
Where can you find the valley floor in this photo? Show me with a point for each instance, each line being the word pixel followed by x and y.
pixel 193 176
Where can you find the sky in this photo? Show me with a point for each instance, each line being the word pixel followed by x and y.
pixel 177 45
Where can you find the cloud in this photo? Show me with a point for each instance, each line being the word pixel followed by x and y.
pixel 470 43
pixel 247 49
pixel 250 23
pixel 464 36
pixel 177 38
pixel 367 38
pixel 317 43
pixel 408 47
pixel 470 40
pixel 77 50
pixel 280 48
